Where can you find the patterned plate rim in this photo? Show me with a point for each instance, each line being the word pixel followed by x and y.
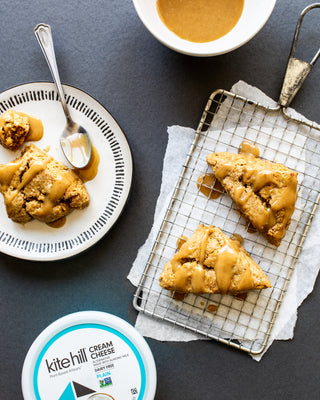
pixel 58 250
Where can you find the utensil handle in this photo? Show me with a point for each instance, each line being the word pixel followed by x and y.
pixel 297 70
pixel 44 37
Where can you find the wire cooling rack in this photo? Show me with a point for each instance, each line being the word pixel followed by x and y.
pixel 244 322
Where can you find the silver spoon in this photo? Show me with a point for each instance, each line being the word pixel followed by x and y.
pixel 74 141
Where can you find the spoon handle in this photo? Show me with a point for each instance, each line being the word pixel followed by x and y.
pixel 44 37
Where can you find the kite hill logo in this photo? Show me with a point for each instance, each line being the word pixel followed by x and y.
pixel 58 364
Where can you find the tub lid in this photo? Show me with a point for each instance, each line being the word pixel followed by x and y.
pixel 89 355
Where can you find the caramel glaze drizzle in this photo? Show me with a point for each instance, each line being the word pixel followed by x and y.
pixel 181 240
pixel 261 179
pixel 249 148
pixel 226 259
pixel 36 127
pixel 212 308
pixel 90 171
pixel 237 237
pixel 209 186
pixel 179 296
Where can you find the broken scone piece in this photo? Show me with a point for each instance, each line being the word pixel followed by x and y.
pixel 14 129
pixel 37 186
pixel 263 192
pixel 211 262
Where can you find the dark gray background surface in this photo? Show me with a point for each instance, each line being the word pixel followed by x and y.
pixel 103 48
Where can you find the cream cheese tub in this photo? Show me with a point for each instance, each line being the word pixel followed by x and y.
pixel 89 355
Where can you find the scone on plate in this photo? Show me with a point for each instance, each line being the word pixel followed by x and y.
pixel 211 262
pixel 14 129
pixel 37 186
pixel 264 192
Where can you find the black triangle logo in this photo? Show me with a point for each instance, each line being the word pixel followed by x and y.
pixel 81 390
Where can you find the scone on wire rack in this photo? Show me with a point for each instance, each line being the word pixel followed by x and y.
pixel 211 262
pixel 264 192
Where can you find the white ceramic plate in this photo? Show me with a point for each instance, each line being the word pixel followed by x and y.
pixel 108 190
pixel 255 14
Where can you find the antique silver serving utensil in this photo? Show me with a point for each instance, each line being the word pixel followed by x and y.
pixel 74 141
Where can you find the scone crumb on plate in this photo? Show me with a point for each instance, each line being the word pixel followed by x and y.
pixel 14 129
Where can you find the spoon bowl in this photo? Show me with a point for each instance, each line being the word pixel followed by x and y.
pixel 74 141
pixel 75 144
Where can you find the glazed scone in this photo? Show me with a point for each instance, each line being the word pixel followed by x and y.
pixel 264 192
pixel 211 262
pixel 14 128
pixel 37 186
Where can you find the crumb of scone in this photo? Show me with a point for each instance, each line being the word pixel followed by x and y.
pixel 14 128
